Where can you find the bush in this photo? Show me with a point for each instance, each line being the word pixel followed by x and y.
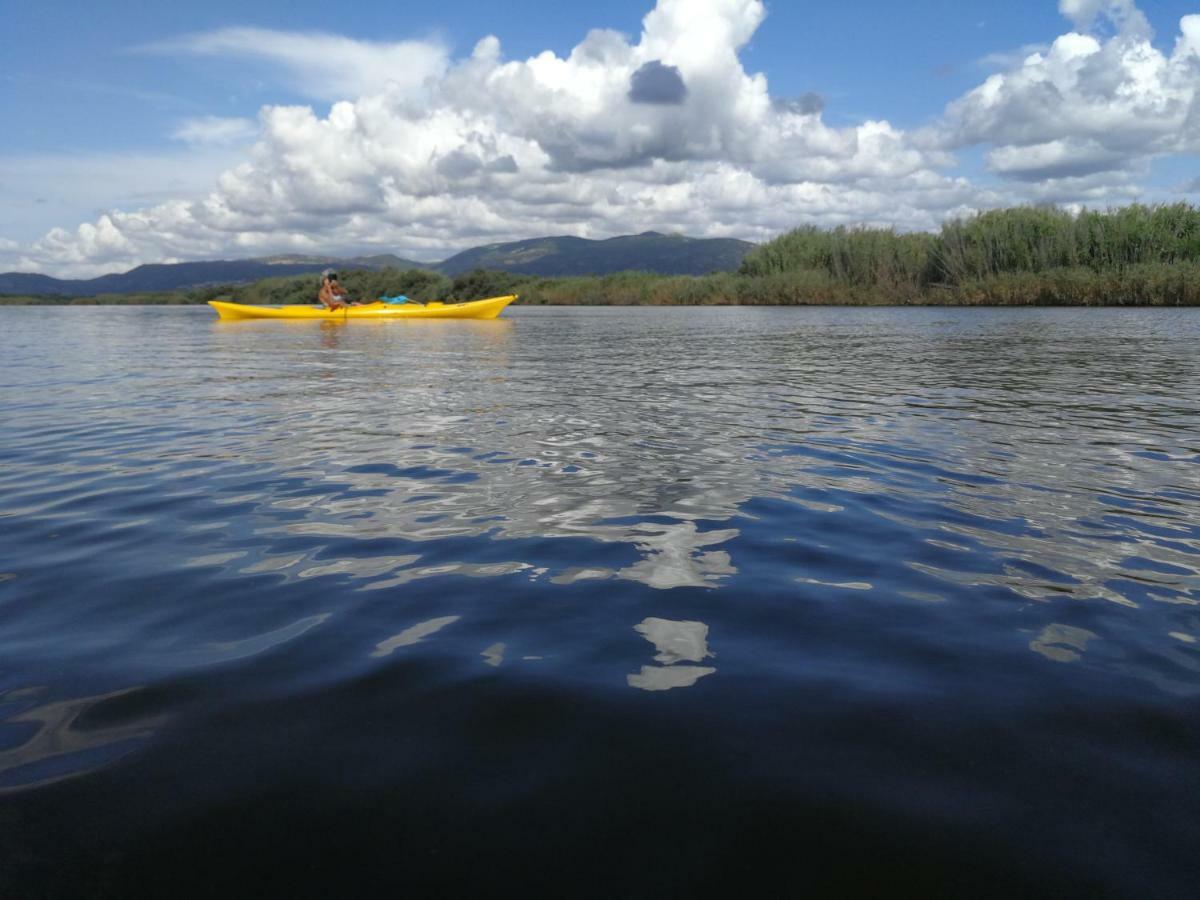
pixel 479 284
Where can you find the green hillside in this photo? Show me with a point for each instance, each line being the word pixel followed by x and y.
pixel 664 254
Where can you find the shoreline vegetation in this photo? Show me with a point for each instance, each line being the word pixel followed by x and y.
pixel 1026 256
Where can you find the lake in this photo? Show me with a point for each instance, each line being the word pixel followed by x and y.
pixel 611 602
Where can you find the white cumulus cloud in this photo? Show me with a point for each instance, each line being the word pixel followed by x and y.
pixel 1087 104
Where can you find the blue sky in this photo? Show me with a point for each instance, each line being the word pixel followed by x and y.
pixel 117 108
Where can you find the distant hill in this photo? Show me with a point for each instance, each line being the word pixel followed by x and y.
pixel 667 254
pixel 181 276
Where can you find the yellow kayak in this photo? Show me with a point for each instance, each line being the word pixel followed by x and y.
pixel 474 309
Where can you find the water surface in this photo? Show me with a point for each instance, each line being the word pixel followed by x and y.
pixel 620 602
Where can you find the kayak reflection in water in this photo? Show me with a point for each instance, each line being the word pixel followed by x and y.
pixel 332 295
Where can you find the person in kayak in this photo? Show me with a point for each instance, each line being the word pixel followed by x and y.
pixel 332 295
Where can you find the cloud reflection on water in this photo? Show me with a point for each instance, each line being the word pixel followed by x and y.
pixel 63 745
pixel 494 655
pixel 413 635
pixel 252 645
pixel 676 642
pixel 1062 643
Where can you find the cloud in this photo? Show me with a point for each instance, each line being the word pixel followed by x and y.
pixel 1055 159
pixel 1077 191
pixel 1087 104
pixel 1120 14
pixel 214 130
pixel 809 104
pixel 657 83
pixel 1008 59
pixel 483 148
pixel 321 66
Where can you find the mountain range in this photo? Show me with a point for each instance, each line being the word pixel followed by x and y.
pixel 667 254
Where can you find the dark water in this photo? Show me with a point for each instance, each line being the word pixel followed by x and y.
pixel 650 602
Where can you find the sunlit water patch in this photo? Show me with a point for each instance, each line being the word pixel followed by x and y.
pixel 737 589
